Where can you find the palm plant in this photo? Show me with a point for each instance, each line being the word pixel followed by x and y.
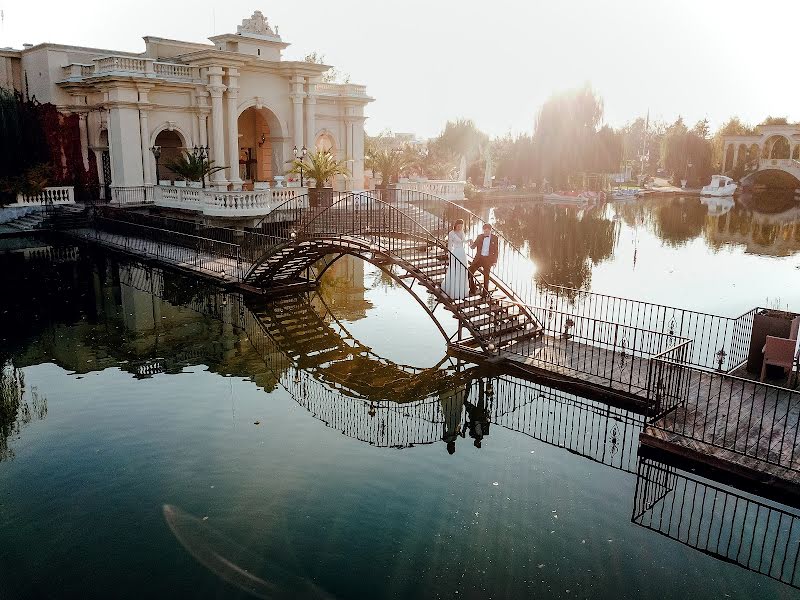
pixel 192 167
pixel 389 163
pixel 321 166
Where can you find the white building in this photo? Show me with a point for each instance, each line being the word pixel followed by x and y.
pixel 235 95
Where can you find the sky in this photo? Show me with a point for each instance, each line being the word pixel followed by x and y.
pixel 495 61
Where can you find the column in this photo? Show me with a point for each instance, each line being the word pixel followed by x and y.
pixel 123 126
pixel 735 155
pixel 311 116
pixel 724 156
pixel 202 116
pixel 215 89
pixel 84 134
pixel 297 114
pixel 233 128
pixel 357 166
pixel 144 136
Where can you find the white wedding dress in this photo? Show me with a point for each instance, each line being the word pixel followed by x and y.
pixel 456 279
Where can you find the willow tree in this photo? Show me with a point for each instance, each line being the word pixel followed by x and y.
pixel 564 134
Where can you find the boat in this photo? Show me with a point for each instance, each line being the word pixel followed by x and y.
pixel 718 207
pixel 625 194
pixel 720 186
pixel 575 197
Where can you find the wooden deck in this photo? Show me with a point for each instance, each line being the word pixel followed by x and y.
pixel 731 420
pixel 727 422
pixel 575 366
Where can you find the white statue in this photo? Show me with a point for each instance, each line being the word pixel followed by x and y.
pixel 257 24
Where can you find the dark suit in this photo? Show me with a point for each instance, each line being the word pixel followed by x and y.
pixel 485 263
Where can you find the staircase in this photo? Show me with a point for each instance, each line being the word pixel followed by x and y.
pixel 492 320
pixel 62 216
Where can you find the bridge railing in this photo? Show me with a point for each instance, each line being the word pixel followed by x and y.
pixel 215 257
pixel 719 342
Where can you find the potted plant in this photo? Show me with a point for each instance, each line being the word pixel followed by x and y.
pixel 321 166
pixel 192 168
pixel 390 163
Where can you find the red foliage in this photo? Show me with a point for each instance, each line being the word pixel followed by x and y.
pixel 62 133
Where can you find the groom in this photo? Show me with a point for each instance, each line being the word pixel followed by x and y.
pixel 485 257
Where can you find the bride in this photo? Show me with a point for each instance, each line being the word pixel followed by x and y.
pixel 456 279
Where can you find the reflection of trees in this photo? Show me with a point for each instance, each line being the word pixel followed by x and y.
pixel 15 410
pixel 565 242
pixel 679 220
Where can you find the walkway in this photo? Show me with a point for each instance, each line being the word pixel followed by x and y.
pixel 750 427
pixel 203 258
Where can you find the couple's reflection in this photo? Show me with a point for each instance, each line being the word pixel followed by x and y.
pixel 475 399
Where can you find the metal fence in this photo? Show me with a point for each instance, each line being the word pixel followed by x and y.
pixel 751 532
pixel 668 378
pixel 720 343
pixel 202 254
pixel 616 356
pixel 750 418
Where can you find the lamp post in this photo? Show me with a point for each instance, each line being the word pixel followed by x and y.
pixel 201 152
pixel 156 150
pixel 303 153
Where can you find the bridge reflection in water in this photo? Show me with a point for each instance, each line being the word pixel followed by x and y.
pixel 348 387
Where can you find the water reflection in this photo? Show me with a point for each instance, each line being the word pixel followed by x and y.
pixel 752 532
pixel 18 407
pixel 565 242
pixel 146 322
pixel 569 242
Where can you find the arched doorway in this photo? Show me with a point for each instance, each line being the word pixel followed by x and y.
pixel 172 146
pixel 257 153
pixel 776 146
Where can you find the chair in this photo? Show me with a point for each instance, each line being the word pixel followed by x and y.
pixel 782 352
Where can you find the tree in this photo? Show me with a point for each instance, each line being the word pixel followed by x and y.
pixel 564 133
pixel 389 163
pixel 701 128
pixel 770 120
pixel 332 75
pixel 463 138
pixel 321 166
pixel 686 155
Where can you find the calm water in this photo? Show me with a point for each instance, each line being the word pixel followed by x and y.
pixel 161 439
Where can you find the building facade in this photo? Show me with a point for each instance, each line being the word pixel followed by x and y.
pixel 234 95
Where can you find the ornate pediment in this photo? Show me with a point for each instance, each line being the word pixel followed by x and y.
pixel 257 25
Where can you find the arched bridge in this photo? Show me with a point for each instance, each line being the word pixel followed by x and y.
pixel 404 234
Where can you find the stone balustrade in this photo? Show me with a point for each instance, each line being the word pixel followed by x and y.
pixel 164 70
pixel 449 190
pixel 221 203
pixel 781 163
pixel 341 89
pixel 50 195
pixel 131 65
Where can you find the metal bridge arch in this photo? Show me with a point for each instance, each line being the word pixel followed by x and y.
pixel 402 231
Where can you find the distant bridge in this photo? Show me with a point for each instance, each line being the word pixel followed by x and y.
pixel 773 148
